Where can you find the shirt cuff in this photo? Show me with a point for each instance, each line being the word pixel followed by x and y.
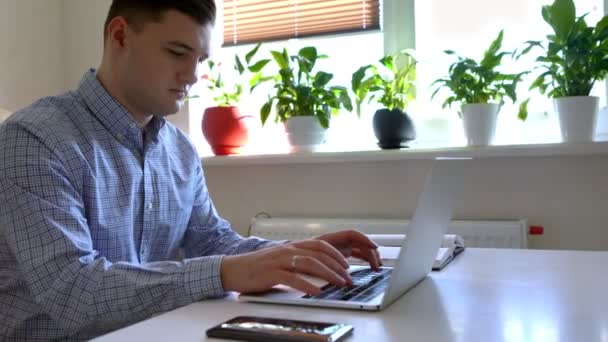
pixel 203 279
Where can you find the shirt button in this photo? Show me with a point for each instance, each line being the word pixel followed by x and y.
pixel 150 206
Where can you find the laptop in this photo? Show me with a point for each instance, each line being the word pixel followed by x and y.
pixel 375 290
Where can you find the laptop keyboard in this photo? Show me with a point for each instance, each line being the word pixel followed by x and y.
pixel 367 284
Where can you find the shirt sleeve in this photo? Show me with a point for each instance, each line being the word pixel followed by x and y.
pixel 210 234
pixel 42 220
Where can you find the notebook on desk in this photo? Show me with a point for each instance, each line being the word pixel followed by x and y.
pixel 375 290
pixel 389 248
pixel 451 246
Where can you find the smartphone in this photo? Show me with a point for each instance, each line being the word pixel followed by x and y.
pixel 250 328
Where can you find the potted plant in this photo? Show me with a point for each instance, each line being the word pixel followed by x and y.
pixel 480 89
pixel 391 83
pixel 224 126
pixel 303 99
pixel 575 57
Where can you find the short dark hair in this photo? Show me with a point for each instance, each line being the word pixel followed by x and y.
pixel 139 12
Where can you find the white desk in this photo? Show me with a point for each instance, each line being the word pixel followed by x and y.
pixel 484 295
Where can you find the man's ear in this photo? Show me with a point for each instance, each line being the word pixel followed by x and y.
pixel 117 31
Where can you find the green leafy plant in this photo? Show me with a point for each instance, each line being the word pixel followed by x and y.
pixel 470 81
pixel 300 91
pixel 390 81
pixel 227 91
pixel 575 55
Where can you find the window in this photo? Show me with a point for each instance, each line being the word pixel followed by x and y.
pixel 357 48
pixel 252 21
pixel 466 26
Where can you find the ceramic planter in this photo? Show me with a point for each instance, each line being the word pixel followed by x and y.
pixel 479 123
pixel 226 129
pixel 393 128
pixel 577 117
pixel 305 133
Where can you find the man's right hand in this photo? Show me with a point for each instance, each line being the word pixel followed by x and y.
pixel 261 270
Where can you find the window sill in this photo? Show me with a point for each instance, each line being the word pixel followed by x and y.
pixel 415 153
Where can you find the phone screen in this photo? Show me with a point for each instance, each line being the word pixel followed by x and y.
pixel 251 328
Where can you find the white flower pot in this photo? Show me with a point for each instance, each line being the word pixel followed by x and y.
pixel 304 133
pixel 577 117
pixel 479 122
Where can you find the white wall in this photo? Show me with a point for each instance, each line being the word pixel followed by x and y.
pixel 31 51
pixel 83 36
pixel 566 195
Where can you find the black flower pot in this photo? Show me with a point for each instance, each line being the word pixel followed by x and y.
pixel 393 128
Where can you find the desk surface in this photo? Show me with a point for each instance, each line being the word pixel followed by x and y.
pixel 483 295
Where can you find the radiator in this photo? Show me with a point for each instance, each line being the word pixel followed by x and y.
pixel 475 233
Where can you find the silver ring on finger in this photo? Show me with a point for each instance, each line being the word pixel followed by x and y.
pixel 294 260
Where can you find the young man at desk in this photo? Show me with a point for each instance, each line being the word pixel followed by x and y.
pixel 98 194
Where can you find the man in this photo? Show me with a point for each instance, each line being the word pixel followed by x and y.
pixel 99 194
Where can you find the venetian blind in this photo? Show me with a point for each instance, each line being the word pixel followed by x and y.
pixel 251 21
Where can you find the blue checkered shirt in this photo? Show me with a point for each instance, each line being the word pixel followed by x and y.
pixel 94 215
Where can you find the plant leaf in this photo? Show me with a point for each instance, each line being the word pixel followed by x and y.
pixel 309 52
pixel 346 101
pixel 252 53
pixel 239 66
pixel 258 66
pixel 323 118
pixel 280 59
pixel 358 77
pixel 523 110
pixel 321 79
pixel 265 111
pixel 561 16
pixel 494 47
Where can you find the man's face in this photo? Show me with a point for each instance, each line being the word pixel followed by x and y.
pixel 159 63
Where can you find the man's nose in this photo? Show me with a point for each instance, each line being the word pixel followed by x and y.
pixel 190 74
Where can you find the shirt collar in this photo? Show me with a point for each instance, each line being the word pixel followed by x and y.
pixel 114 116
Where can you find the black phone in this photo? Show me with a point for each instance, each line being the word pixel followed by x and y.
pixel 250 328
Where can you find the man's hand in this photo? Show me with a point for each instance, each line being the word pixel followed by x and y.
pixel 354 243
pixel 322 257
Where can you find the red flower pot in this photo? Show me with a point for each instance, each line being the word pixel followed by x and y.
pixel 225 129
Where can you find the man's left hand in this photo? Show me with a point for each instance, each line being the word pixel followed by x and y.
pixel 354 243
